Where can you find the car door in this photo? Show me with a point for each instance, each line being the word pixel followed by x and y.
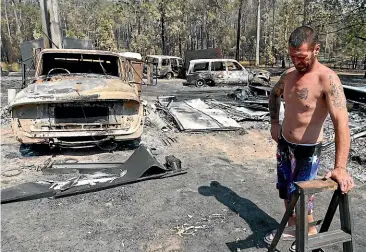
pixel 218 72
pixel 174 65
pixel 165 66
pixel 237 74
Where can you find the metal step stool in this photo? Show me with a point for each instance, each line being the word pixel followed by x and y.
pixel 324 237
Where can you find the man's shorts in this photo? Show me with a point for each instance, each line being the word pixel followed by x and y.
pixel 296 162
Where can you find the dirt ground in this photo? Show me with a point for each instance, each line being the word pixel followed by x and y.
pixel 226 202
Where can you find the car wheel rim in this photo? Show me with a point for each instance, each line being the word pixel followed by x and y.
pixel 200 83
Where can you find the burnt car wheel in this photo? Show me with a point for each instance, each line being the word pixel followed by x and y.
pixel 210 83
pixel 200 83
pixel 169 76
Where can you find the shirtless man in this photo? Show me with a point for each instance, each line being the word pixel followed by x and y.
pixel 311 91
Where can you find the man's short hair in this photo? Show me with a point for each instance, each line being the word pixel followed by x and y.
pixel 303 34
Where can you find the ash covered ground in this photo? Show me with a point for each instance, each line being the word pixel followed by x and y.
pixel 226 202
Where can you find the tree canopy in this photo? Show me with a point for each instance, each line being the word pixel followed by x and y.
pixel 174 26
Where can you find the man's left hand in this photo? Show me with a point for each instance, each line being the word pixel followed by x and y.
pixel 341 176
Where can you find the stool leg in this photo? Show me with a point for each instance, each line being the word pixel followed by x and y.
pixel 346 220
pixel 284 221
pixel 302 224
pixel 333 205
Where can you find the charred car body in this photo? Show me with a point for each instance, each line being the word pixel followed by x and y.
pixel 79 98
pixel 164 66
pixel 221 72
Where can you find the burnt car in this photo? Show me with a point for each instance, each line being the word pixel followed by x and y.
pixel 79 98
pixel 261 77
pixel 165 66
pixel 220 72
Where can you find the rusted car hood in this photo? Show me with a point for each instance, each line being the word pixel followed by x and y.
pixel 75 90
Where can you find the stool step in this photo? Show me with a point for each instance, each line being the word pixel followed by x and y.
pixel 316 185
pixel 328 238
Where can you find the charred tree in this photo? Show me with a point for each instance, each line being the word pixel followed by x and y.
pixel 162 23
pixel 238 31
pixel 258 33
pixel 203 31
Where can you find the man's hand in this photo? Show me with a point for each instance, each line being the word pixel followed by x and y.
pixel 275 131
pixel 341 176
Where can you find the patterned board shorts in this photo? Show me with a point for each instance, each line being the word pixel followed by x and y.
pixel 296 162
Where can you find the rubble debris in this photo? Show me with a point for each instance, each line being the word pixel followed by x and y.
pixel 173 163
pixel 249 98
pixel 169 140
pixel 353 137
pixel 261 90
pixel 166 100
pixel 157 120
pixel 12 172
pixel 242 94
pixel 239 114
pixel 47 164
pixel 140 166
pixel 197 116
pixel 202 223
pixel 182 230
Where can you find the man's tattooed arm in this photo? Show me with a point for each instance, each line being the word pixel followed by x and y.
pixel 336 102
pixel 337 93
pixel 275 99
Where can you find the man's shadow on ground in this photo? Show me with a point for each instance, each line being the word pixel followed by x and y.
pixel 259 222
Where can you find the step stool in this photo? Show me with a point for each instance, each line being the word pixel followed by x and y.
pixel 324 237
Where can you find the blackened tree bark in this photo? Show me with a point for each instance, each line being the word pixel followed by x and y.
pixel 304 21
pixel 180 46
pixel 162 22
pixel 238 31
pixel 203 31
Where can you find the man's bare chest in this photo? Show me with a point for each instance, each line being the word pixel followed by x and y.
pixel 303 94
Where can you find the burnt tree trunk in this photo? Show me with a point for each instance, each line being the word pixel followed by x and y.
pixel 238 31
pixel 304 21
pixel 162 21
pixel 203 31
pixel 180 46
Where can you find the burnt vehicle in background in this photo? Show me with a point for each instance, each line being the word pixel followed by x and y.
pixel 79 98
pixel 164 66
pixel 213 72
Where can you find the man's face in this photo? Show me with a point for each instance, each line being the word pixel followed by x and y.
pixel 304 56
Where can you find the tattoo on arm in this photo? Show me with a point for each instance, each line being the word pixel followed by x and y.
pixel 336 91
pixel 303 93
pixel 275 99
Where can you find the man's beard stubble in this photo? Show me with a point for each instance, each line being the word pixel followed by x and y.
pixel 309 66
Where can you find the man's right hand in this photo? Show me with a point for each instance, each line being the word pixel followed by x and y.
pixel 275 131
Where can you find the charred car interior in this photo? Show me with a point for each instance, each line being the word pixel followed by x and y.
pixel 79 98
pixel 79 63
